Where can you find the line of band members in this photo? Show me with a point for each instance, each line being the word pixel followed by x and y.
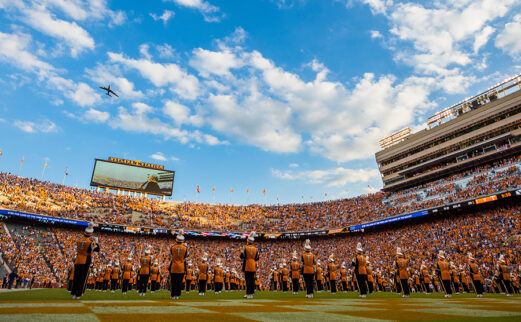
pixel 113 278
pixel 445 277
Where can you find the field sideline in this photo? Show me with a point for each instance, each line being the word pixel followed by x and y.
pixel 56 305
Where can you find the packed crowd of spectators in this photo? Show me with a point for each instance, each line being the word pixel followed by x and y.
pixel 62 201
pixel 47 252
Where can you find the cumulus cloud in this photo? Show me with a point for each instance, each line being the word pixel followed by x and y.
pixel 181 83
pixel 508 39
pixel 167 14
pixel 142 118
pixel 159 156
pixel 210 12
pixel 375 34
pixel 74 36
pixel 165 51
pixel 44 126
pixel 336 177
pixel 214 62
pixel 103 74
pixel 441 39
pixel 96 116
pixel 14 49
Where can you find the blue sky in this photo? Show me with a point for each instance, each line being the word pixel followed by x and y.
pixel 291 96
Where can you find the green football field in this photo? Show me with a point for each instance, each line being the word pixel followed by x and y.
pixel 57 305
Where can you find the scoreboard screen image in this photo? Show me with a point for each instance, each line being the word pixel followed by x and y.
pixel 130 177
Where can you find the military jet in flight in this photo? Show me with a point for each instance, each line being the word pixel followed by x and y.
pixel 109 91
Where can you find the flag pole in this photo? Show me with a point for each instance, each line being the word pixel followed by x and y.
pixel 43 171
pixel 65 175
pixel 20 168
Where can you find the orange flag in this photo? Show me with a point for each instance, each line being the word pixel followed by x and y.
pixel 248 190
pixel 213 189
pixel 231 190
pixel 264 192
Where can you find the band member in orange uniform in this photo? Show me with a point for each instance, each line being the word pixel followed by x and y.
pixel 308 269
pixel 144 272
pixel 402 271
pixel 218 274
pixel 319 277
pixel 249 257
pixel 114 277
pixel 203 274
pixel 178 254
pixel 155 277
pixel 332 272
pixel 85 246
pixel 295 273
pixel 127 275
pixel 442 270
pixel 360 270
pixel 475 273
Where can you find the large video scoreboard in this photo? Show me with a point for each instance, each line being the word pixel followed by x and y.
pixel 132 175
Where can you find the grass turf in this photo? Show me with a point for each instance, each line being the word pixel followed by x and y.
pixel 62 294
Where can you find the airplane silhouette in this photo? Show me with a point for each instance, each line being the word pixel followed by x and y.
pixel 109 91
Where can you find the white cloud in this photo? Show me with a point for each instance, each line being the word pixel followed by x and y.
pixel 14 50
pixel 293 165
pixel 104 75
pixel 180 114
pixel 165 51
pixel 44 126
pixel 182 83
pixel 77 38
pixel 509 38
pixel 167 14
pixel 211 62
pixel 84 95
pixel 375 34
pixel 336 177
pixel 210 12
pixel 445 35
pixel 378 6
pixel 159 156
pixel 96 116
pixel 143 50
pixel 238 36
pixel 141 119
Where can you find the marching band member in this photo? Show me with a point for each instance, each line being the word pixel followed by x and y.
pixel 308 269
pixel 114 277
pixel 250 256
pixel 402 271
pixel 295 273
pixel 319 277
pixel 475 273
pixel 85 247
pixel 504 275
pixel 155 277
pixel 370 277
pixel 203 274
pixel 442 270
pixel 343 277
pixel 127 275
pixel 178 254
pixel 332 271
pixel 285 276
pixel 144 272
pixel 360 270
pixel 425 278
pixel 106 277
pixel 218 277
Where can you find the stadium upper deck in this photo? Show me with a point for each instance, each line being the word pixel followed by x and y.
pixel 482 129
